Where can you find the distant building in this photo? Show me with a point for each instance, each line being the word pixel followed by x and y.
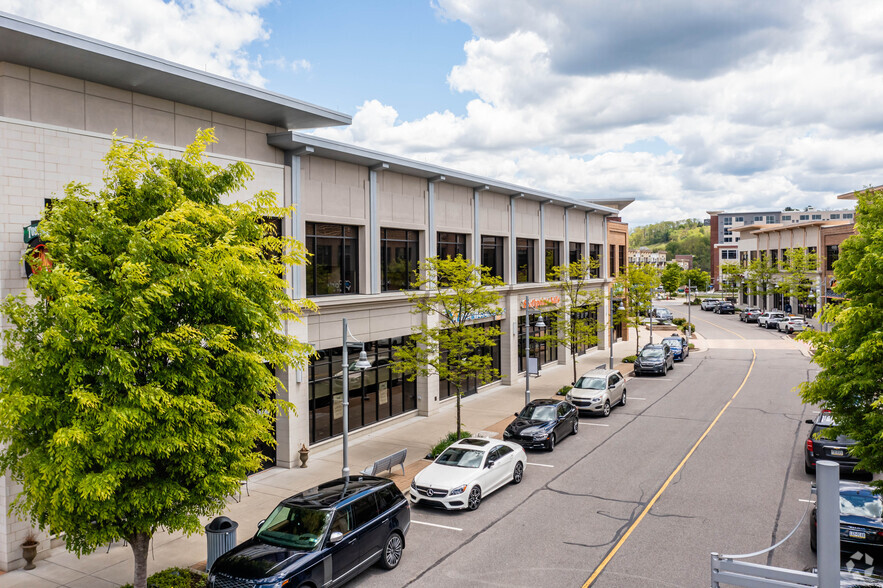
pixel 685 261
pixel 643 256
pixel 725 238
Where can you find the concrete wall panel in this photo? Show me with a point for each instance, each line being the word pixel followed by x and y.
pixel 58 106
pixel 453 208
pixel 494 215
pixel 527 218
pixel 104 115
pixel 554 216
pixel 401 199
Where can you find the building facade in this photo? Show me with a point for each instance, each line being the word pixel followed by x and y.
pixel 643 256
pixel 367 218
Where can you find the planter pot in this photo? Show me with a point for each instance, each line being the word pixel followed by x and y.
pixel 29 552
pixel 304 455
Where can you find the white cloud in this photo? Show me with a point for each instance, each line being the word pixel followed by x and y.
pixel 209 35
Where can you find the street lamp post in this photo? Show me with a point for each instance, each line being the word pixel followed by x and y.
pixel 612 332
pixel 540 324
pixel 689 306
pixel 361 365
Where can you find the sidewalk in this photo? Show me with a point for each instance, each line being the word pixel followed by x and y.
pixel 489 410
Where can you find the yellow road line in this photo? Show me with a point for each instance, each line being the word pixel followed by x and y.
pixel 652 502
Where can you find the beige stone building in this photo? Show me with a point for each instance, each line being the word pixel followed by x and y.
pixel 366 217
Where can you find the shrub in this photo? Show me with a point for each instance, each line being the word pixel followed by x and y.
pixel 684 327
pixel 629 359
pixel 449 439
pixel 176 578
pixel 563 390
pixel 679 321
pixel 691 347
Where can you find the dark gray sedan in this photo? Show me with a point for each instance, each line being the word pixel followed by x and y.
pixel 654 359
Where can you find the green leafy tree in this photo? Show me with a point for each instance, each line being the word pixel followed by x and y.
pixel 456 293
pixel 574 334
pixel 136 388
pixel 639 282
pixel 760 277
pixel 731 274
pixel 797 270
pixel 671 278
pixel 697 279
pixel 851 353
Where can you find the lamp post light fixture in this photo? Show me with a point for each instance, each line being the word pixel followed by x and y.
pixel 540 325
pixel 361 364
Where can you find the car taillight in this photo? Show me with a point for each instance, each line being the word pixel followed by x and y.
pixel 809 445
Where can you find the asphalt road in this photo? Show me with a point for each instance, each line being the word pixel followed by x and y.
pixel 607 505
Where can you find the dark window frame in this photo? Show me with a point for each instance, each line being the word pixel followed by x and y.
pixel 450 245
pixel 401 241
pixel 525 260
pixel 492 255
pixel 346 244
pixel 552 256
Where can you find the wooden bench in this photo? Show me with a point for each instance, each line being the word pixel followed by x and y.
pixel 387 463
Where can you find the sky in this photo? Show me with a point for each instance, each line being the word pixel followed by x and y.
pixel 684 105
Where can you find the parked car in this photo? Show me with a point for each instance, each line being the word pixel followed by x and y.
pixel 596 391
pixel 709 303
pixel 679 347
pixel 724 307
pixel 818 447
pixel 662 315
pixel 861 519
pixel 542 423
pixel 765 316
pixel 320 537
pixel 749 315
pixel 773 321
pixel 654 359
pixel 467 471
pixel 791 324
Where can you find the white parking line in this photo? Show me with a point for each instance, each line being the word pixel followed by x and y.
pixel 542 465
pixel 636 398
pixel 595 425
pixel 434 525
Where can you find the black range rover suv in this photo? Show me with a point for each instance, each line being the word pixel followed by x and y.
pixel 324 536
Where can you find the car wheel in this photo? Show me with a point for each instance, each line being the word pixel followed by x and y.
pixel 809 469
pixel 575 429
pixel 606 411
pixel 392 552
pixel 518 474
pixel 623 399
pixel 812 540
pixel 474 498
pixel 551 445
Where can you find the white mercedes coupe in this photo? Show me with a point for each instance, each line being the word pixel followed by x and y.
pixel 467 471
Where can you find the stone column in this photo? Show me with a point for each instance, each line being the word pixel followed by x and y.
pixel 292 430
pixel 427 388
pixel 509 341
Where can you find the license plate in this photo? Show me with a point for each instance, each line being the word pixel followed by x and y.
pixel 837 452
pixel 856 535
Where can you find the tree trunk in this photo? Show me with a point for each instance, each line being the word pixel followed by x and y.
pixel 458 413
pixel 140 543
pixel 573 356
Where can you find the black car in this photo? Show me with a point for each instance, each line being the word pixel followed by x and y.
pixel 818 447
pixel 725 308
pixel 542 423
pixel 861 526
pixel 324 536
pixel 679 347
pixel 654 359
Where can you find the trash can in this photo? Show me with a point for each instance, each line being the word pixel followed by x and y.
pixel 221 537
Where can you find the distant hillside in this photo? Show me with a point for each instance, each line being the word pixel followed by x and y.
pixel 684 237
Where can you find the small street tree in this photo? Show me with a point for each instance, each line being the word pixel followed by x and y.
pixel 851 354
pixel 638 282
pixel 760 276
pixel 456 293
pixel 696 278
pixel 671 278
pixel 731 274
pixel 136 387
pixel 797 269
pixel 574 334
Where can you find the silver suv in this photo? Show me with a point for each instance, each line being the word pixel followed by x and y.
pixel 709 303
pixel 596 391
pixel 764 318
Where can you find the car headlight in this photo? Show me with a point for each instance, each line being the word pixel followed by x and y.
pixel 540 436
pixel 595 399
pixel 414 484
pixel 506 433
pixel 458 490
pixel 568 397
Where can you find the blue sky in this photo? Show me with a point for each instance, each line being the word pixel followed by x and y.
pixel 395 51
pixel 683 105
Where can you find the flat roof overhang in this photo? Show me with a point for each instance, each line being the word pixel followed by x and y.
pixel 320 147
pixel 32 44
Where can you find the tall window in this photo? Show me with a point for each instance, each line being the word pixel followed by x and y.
pixel 553 257
pixel 492 255
pixel 334 265
pixel 524 260
pixel 451 245
pixel 545 352
pixel 375 394
pixel 595 254
pixel 774 256
pixel 399 254
pixel 832 252
pixel 446 389
pixel 622 260
pixel 611 261
pixel 576 251
pixel 728 220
